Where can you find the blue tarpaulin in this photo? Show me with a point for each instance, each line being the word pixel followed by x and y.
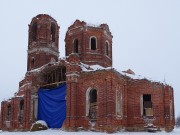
pixel 52 106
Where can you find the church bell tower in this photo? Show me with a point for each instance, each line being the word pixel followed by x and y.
pixel 43 46
pixel 92 43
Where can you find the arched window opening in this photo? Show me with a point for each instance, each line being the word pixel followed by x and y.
pixel 119 103
pixel 93 43
pixel 21 109
pixel 53 32
pixel 34 32
pixel 35 107
pixel 22 105
pixel 32 62
pixel 9 113
pixel 76 46
pixel 107 49
pixel 93 105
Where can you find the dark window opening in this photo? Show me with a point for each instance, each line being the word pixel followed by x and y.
pixel 93 43
pixel 76 46
pixel 34 32
pixel 53 32
pixel 93 105
pixel 147 105
pixel 8 113
pixel 32 62
pixel 107 49
pixel 21 113
pixel 22 105
pixel 54 78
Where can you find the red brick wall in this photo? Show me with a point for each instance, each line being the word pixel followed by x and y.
pixel 22 94
pixel 41 58
pixel 81 31
pixel 107 83
pixel 160 102
pixel 43 48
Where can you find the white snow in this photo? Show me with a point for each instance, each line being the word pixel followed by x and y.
pixel 139 77
pixel 19 96
pixel 91 68
pixel 92 25
pixel 132 76
pixel 60 132
pixel 42 67
pixel 42 122
pixel 26 84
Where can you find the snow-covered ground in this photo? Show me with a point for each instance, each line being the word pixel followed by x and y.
pixel 60 132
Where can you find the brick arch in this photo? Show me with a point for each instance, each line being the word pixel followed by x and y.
pixel 93 46
pixel 9 112
pixel 76 45
pixel 53 32
pixel 33 31
pixel 88 101
pixel 21 111
pixel 107 48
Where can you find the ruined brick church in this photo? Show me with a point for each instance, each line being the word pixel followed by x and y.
pixel 98 97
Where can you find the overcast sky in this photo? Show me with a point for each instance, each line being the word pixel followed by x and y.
pixel 146 36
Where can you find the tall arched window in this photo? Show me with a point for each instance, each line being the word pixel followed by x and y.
pixel 91 104
pixel 9 113
pixel 53 31
pixel 118 102
pixel 34 32
pixel 32 62
pixel 107 48
pixel 93 43
pixel 76 46
pixel 21 109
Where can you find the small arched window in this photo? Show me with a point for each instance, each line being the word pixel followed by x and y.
pixel 32 62
pixel 21 113
pixel 21 105
pixel 34 32
pixel 53 32
pixel 107 48
pixel 76 46
pixel 93 43
pixel 9 113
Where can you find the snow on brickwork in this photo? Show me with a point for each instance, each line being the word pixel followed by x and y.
pixel 25 85
pixel 20 96
pixel 91 68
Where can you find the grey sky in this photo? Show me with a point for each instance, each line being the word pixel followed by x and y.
pixel 146 36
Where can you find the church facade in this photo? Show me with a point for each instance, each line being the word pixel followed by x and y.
pixel 98 97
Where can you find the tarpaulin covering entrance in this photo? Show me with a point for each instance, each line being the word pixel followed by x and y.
pixel 52 106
